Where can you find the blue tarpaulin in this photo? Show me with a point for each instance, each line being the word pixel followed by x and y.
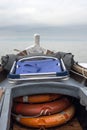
pixel 38 66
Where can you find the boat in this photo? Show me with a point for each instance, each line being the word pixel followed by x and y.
pixel 71 82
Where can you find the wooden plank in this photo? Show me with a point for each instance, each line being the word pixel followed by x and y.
pixel 72 125
pixel 1 93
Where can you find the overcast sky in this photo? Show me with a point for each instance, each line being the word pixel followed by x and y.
pixel 43 12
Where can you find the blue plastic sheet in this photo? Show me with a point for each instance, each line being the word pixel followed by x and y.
pixel 38 66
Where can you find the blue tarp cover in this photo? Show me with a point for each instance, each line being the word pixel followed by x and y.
pixel 38 66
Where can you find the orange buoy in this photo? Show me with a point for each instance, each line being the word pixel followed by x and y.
pixel 37 98
pixel 42 108
pixel 48 121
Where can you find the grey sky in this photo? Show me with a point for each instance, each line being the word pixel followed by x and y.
pixel 43 12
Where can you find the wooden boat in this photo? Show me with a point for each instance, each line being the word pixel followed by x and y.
pixel 74 87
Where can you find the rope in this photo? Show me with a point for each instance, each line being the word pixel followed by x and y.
pixel 43 112
pixel 83 72
pixel 42 128
pixel 78 74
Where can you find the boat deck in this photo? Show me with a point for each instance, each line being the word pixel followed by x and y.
pixel 67 87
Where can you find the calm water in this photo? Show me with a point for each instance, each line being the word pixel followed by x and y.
pixel 72 40
pixel 77 48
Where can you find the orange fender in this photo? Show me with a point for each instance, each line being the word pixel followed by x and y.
pixel 48 121
pixel 41 109
pixel 38 98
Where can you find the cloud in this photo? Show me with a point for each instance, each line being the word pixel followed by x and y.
pixel 49 12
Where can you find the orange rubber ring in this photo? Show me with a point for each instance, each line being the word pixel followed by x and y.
pixel 48 121
pixel 42 108
pixel 38 98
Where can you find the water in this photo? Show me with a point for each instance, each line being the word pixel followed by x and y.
pixel 66 40
pixel 77 48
